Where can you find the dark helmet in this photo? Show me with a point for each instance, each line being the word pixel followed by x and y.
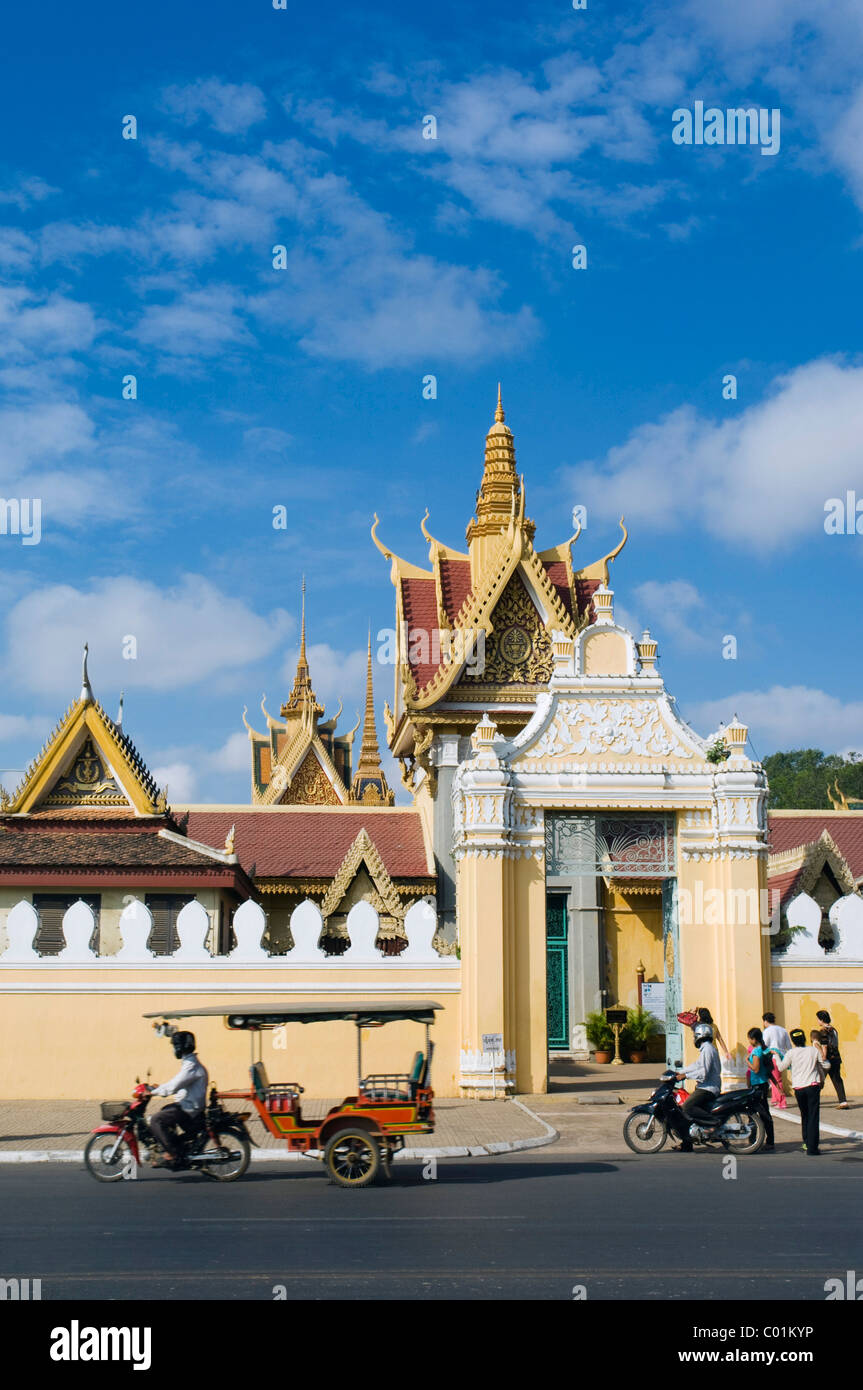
pixel 702 1033
pixel 183 1044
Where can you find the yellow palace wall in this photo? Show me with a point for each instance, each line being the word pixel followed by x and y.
pixel 804 990
pixel 83 1036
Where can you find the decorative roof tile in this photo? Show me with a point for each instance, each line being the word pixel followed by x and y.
pixel 296 842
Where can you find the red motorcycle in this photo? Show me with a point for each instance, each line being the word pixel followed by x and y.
pixel 218 1146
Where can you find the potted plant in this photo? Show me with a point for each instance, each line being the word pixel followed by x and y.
pixel 718 751
pixel 600 1036
pixel 640 1025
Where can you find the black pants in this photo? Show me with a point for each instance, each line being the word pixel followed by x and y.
pixel 764 1111
pixel 809 1100
pixel 835 1074
pixel 697 1107
pixel 165 1122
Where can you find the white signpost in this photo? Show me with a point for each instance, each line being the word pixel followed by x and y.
pixel 493 1043
pixel 653 1000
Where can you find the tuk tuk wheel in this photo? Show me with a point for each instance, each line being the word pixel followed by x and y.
pixel 352 1158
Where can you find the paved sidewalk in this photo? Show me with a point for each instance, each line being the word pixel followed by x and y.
pixel 586 1126
pixel 31 1130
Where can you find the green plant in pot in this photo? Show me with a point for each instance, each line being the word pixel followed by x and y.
pixel 600 1036
pixel 639 1027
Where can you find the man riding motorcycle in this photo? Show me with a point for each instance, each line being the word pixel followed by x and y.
pixel 190 1087
pixel 706 1072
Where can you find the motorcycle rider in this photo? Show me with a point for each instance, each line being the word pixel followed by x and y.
pixel 706 1072
pixel 191 1080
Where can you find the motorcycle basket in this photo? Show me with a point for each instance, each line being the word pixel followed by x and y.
pixel 114 1109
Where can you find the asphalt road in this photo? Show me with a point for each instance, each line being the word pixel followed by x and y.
pixel 531 1226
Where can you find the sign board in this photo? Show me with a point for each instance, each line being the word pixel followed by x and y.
pixel 492 1042
pixel 653 1000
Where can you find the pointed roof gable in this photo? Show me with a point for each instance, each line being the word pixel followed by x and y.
pixel 362 852
pixel 87 761
pixel 459 593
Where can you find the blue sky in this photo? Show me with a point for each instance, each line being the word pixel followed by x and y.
pixel 408 257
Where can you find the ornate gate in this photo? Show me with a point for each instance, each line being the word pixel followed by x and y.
pixel 557 972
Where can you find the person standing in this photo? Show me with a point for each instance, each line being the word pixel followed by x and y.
pixel 829 1041
pixel 808 1070
pixel 775 1035
pixel 760 1074
pixel 778 1040
pixel 705 1016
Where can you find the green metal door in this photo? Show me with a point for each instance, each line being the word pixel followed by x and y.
pixel 557 973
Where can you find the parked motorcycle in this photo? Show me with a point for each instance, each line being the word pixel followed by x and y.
pixel 735 1121
pixel 219 1146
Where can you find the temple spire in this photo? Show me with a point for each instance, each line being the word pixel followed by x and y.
pixel 370 784
pixel 302 696
pixel 499 497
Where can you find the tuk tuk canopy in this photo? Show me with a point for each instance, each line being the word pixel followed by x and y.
pixel 255 1017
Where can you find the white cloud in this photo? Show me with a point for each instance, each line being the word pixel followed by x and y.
pixel 46 328
pixel 15 726
pixel 760 479
pixel 184 634
pixel 786 717
pixel 676 609
pixel 198 323
pixel 26 192
pixel 17 249
pixel 180 779
pixel 264 439
pixel 231 108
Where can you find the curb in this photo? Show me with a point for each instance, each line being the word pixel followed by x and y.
pixel 407 1155
pixel 824 1128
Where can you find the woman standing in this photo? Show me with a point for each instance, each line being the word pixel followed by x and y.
pixel 760 1073
pixel 829 1042
pixel 704 1016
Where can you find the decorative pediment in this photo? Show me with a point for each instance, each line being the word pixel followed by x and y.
pixel 87 761
pixel 518 648
pixel 362 852
pixel 612 731
pixel 811 860
pixel 310 784
pixel 88 782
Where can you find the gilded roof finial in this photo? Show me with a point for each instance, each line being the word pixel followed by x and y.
pixel 86 690
pixel 498 414
pixel 369 784
pixel 303 624
pixel 119 719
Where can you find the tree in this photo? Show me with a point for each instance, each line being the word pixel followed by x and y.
pixel 799 779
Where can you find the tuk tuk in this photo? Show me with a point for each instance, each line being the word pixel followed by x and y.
pixel 357 1139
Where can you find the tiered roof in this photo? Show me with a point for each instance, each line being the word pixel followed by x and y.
pixel 440 610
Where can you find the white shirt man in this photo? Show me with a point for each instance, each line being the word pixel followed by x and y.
pixel 777 1037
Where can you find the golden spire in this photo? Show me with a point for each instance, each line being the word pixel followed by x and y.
pixel 370 784
pixel 302 696
pixel 500 496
